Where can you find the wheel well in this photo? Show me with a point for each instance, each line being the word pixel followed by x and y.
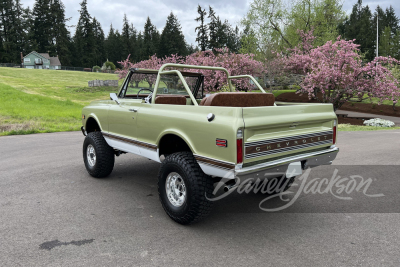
pixel 92 125
pixel 171 143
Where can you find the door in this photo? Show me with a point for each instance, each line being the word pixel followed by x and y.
pixel 122 125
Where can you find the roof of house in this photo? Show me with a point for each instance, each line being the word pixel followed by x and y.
pixel 55 61
pixel 46 55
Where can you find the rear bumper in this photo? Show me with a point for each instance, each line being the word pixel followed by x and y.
pixel 279 167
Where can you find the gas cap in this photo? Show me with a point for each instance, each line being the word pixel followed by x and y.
pixel 210 117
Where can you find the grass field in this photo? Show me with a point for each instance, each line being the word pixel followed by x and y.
pixel 36 101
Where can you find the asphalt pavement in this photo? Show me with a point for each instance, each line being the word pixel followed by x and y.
pixel 52 213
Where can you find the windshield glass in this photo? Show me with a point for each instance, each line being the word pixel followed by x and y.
pixel 142 83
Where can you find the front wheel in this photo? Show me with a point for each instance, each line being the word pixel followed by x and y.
pixel 98 156
pixel 183 187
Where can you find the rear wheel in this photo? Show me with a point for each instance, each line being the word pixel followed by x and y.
pixel 98 156
pixel 183 187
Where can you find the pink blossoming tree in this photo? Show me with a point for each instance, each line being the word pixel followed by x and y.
pixel 236 64
pixel 335 74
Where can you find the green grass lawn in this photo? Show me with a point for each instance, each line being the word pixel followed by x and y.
pixel 35 101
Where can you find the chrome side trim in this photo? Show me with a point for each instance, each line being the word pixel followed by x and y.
pixel 328 155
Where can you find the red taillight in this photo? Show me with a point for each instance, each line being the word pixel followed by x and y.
pixel 239 151
pixel 334 132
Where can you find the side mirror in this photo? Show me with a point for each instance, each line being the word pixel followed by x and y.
pixel 113 96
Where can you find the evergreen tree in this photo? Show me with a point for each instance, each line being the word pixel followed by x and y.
pixel 396 45
pixel 139 47
pixel 42 26
pixel 391 20
pixel 172 39
pixel 126 37
pixel 232 38
pixel 111 45
pixel 386 43
pixel 61 38
pixel 213 25
pixel 202 29
pixel 360 26
pixel 133 43
pixel 99 41
pixel 84 38
pixel 151 40
pixel 191 49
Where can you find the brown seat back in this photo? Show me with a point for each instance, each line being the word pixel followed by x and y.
pixel 171 99
pixel 239 100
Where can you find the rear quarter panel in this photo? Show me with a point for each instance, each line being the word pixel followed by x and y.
pixel 191 124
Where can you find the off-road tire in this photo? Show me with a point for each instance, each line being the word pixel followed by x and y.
pixel 198 186
pixel 104 155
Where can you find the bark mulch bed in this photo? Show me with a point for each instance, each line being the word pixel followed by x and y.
pixel 358 107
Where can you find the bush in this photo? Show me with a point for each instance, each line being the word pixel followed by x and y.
pixel 108 65
pixel 379 123
pixel 96 69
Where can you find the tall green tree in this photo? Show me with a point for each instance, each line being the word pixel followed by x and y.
pixel 99 41
pixel 133 43
pixel 386 45
pixel 126 45
pixel 112 45
pixel 151 40
pixel 359 26
pixel 42 26
pixel 213 27
pixel 60 35
pixel 232 37
pixel 139 47
pixel 84 38
pixel 172 39
pixel 202 29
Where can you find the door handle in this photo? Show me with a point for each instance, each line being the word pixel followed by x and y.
pixel 133 110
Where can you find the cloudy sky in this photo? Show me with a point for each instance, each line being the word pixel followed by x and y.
pixel 112 11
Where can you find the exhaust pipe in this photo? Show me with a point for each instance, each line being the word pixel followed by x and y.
pixel 229 187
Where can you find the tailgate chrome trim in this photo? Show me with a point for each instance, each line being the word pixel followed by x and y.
pixel 325 156
pixel 286 144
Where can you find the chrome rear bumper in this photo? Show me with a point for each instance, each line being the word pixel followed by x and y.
pixel 280 166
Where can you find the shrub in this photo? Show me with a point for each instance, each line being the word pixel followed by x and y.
pixel 96 69
pixel 379 123
pixel 108 65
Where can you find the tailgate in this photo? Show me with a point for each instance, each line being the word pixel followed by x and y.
pixel 275 132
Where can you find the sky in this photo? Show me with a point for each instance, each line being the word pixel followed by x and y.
pixel 112 11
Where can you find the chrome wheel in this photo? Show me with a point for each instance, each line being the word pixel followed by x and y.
pixel 176 189
pixel 91 155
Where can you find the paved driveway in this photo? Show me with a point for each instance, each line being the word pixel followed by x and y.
pixel 52 213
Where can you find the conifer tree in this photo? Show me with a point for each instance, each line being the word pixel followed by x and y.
pixel 84 38
pixel 60 35
pixel 42 25
pixel 202 29
pixel 99 41
pixel 172 39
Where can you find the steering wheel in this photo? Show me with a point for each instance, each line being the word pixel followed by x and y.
pixel 143 89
